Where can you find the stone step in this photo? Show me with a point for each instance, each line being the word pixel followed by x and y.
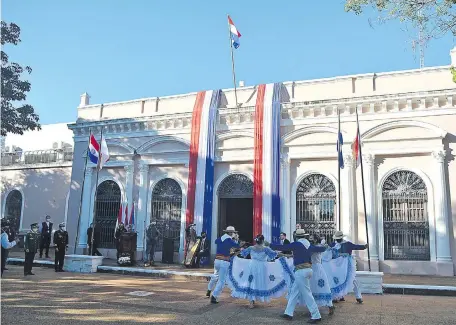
pixel 414 289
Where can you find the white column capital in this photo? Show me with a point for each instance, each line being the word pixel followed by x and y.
pixel 128 169
pixel 143 167
pixel 348 160
pixel 369 159
pixel 285 161
pixel 439 155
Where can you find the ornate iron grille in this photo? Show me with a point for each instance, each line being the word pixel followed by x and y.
pixel 13 209
pixel 106 212
pixel 166 211
pixel 405 217
pixel 315 206
pixel 236 186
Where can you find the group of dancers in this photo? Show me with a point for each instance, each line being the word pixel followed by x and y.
pixel 308 271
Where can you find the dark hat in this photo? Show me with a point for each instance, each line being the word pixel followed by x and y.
pixel 35 224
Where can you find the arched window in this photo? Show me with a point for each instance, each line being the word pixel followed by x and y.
pixel 236 186
pixel 315 206
pixel 166 211
pixel 13 209
pixel 106 212
pixel 405 217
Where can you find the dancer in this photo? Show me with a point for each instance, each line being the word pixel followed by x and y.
pixel 319 284
pixel 221 263
pixel 346 247
pixel 255 286
pixel 302 251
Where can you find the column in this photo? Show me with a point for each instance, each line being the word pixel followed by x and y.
pixel 142 203
pixel 441 208
pixel 371 214
pixel 285 202
pixel 347 199
pixel 85 208
pixel 129 187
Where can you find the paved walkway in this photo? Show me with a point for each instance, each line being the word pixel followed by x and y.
pixel 90 299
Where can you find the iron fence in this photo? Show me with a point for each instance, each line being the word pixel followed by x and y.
pixel 13 209
pixel 106 212
pixel 166 211
pixel 315 206
pixel 40 157
pixel 405 217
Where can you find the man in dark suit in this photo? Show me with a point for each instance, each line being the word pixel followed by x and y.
pixel 46 232
pixel 284 241
pixel 204 248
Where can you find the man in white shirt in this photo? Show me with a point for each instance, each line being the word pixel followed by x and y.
pixel 6 244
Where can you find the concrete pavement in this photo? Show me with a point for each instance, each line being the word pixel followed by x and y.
pixel 70 298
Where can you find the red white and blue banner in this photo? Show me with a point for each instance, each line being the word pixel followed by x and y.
pixel 98 153
pixel 266 168
pixel 201 161
pixel 234 33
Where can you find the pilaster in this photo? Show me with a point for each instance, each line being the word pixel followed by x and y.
pixel 371 189
pixel 85 208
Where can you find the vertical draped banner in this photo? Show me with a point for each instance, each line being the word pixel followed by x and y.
pixel 201 164
pixel 266 194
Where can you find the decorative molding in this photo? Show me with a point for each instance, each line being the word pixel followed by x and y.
pixel 348 160
pixel 369 159
pixel 143 167
pixel 439 155
pixel 376 130
pixel 38 166
pixel 161 139
pixel 128 169
pixel 88 172
pixel 308 130
pixel 112 163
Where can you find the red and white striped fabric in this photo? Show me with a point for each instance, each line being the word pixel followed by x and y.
pixel 266 195
pixel 356 148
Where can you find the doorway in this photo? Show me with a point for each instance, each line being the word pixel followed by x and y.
pixel 238 213
pixel 235 195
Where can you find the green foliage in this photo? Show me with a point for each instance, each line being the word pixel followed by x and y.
pixel 434 17
pixel 17 116
pixel 453 72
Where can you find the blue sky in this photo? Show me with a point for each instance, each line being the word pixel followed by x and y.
pixel 121 50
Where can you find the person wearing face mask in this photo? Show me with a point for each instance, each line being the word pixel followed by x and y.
pixel 46 231
pixel 151 242
pixel 31 244
pixel 203 248
pixel 61 244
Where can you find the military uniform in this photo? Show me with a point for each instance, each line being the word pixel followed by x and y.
pixel 61 242
pixel 151 243
pixel 31 244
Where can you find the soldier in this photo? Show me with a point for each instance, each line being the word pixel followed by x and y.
pixel 31 244
pixel 119 231
pixel 46 231
pixel 61 244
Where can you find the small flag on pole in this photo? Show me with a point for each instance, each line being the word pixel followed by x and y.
pixel 340 143
pixel 98 154
pixel 126 215
pixel 132 215
pixel 235 35
pixel 355 148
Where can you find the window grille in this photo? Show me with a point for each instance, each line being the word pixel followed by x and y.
pixel 106 212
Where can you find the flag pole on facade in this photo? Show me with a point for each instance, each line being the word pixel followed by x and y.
pixel 99 155
pixel 234 35
pixel 82 191
pixel 360 160
pixel 340 165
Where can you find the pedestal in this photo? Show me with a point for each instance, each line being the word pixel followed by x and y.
pixel 82 263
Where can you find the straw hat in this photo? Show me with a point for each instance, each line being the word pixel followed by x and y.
pixel 301 233
pixel 338 235
pixel 230 229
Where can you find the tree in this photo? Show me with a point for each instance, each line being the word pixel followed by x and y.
pixel 434 18
pixel 14 90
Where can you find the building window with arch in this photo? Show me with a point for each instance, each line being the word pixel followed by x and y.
pixel 316 206
pixel 166 209
pixel 13 209
pixel 405 217
pixel 107 208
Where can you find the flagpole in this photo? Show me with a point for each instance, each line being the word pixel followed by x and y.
pixel 82 192
pixel 232 62
pixel 362 184
pixel 338 169
pixel 95 198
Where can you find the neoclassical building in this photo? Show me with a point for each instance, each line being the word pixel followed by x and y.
pixel 262 179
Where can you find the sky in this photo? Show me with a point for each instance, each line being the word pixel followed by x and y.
pixel 123 50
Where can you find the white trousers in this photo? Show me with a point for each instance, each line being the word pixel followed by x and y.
pixel 357 289
pixel 301 288
pixel 220 273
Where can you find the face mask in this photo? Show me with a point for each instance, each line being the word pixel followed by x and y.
pixel 35 229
